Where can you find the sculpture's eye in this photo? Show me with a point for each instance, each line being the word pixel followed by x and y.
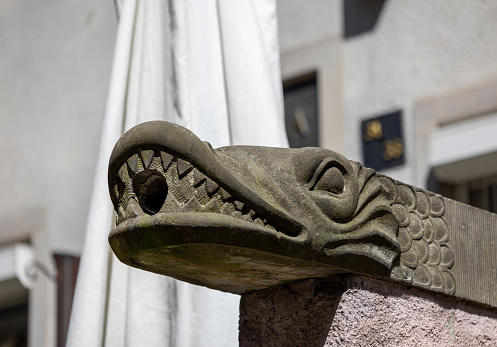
pixel 328 177
pixel 331 181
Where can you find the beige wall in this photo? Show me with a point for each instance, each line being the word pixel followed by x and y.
pixel 302 23
pixel 54 70
pixel 418 50
pixel 310 36
pixel 416 53
pixel 55 60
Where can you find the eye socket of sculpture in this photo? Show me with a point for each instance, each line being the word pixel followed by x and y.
pixel 330 181
pixel 328 177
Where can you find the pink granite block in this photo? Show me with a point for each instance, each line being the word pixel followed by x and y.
pixel 360 311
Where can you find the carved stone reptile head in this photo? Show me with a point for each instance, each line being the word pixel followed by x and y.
pixel 243 218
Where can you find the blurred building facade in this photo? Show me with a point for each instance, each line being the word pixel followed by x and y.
pixel 431 63
pixel 55 61
pixel 352 70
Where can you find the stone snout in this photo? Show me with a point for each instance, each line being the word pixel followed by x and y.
pixel 244 218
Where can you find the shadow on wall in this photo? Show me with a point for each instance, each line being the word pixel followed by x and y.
pixel 294 314
pixel 360 16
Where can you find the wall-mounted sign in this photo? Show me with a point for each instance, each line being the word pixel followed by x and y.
pixel 382 141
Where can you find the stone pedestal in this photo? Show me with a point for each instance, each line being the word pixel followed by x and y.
pixel 360 311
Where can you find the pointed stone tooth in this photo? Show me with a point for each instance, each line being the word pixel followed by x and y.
pixel 123 173
pixel 116 191
pixel 239 205
pixel 211 206
pixel 210 186
pixel 247 218
pixel 192 205
pixel 147 157
pixel 133 209
pixel 183 167
pixel 259 221
pixel 198 178
pixel 134 163
pixel 267 225
pixel 171 205
pixel 120 214
pixel 251 213
pixel 237 214
pixel 224 194
pixel 227 209
pixel 167 159
pixel 156 163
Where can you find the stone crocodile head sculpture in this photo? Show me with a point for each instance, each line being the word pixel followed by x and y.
pixel 243 218
pixel 244 214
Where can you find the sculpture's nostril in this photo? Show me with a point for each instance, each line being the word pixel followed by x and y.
pixel 150 187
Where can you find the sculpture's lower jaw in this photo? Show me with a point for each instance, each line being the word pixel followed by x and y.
pixel 220 252
pixel 232 255
pixel 232 269
pixel 366 258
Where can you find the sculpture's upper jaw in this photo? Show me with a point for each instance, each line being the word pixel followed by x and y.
pixel 160 171
pixel 243 218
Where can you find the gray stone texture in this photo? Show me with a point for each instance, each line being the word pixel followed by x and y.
pixel 359 311
pixel 474 236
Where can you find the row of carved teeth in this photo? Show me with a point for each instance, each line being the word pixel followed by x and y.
pixel 188 190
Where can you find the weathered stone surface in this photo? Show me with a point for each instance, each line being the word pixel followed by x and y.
pixel 245 218
pixel 359 311
pixel 295 314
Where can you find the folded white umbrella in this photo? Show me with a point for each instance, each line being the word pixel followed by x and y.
pixel 213 67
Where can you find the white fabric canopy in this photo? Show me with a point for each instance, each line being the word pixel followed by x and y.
pixel 213 67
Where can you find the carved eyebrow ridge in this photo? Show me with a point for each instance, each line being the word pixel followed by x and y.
pixel 325 164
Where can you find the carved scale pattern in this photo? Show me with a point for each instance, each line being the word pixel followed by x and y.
pixel 427 256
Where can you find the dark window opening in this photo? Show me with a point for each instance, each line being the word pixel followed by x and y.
pixel 480 193
pixel 14 325
pixel 360 16
pixel 301 111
